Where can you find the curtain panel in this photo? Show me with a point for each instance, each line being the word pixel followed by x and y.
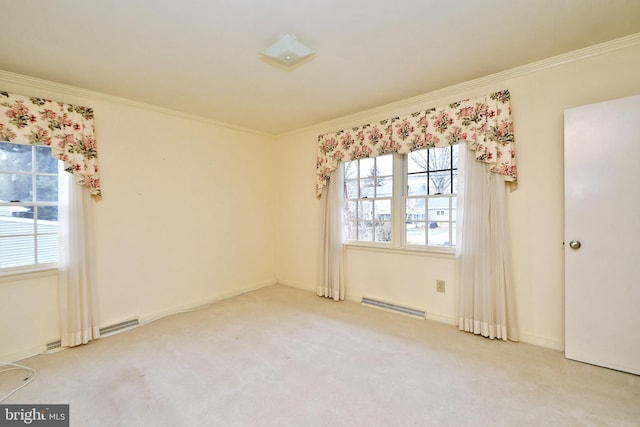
pixel 484 123
pixel 485 287
pixel 67 129
pixel 77 280
pixel 331 274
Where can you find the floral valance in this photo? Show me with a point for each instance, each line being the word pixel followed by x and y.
pixel 484 123
pixel 67 129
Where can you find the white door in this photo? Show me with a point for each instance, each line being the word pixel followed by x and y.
pixel 602 234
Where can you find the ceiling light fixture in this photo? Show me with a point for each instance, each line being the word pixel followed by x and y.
pixel 287 50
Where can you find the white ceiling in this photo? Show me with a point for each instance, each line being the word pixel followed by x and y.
pixel 203 56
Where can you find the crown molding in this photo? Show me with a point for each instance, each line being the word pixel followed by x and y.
pixel 351 119
pixel 67 90
pixel 419 101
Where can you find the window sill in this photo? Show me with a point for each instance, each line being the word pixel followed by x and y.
pixel 12 275
pixel 417 251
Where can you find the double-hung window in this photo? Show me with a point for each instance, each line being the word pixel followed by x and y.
pixel 403 201
pixel 28 207
pixel 368 199
pixel 430 197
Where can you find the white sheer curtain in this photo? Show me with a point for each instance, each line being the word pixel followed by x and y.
pixel 486 300
pixel 79 321
pixel 331 279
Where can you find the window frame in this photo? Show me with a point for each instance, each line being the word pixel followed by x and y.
pixel 34 203
pixel 374 199
pixel 399 196
pixel 451 205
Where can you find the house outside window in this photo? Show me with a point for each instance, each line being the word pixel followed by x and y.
pixel 430 197
pixel 368 199
pixel 404 201
pixel 28 207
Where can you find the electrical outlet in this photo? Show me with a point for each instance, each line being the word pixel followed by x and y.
pixel 440 286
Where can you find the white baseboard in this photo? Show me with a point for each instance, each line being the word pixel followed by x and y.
pixel 297 285
pixel 150 317
pixel 147 318
pixel 428 316
pixel 440 318
pixel 23 354
pixel 353 298
pixel 541 342
pixel 524 337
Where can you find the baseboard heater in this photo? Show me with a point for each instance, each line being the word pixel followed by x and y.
pixel 53 345
pixel 103 331
pixel 394 307
pixel 119 326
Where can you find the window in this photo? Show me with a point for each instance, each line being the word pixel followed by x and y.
pixel 28 206
pixel 425 201
pixel 430 197
pixel 368 199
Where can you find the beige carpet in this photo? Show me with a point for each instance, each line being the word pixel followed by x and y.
pixel 284 357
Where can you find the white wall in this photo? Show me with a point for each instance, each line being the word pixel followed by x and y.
pixel 195 211
pixel 540 94
pixel 187 217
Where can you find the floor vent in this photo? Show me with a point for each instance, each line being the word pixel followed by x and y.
pixel 119 326
pixel 393 307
